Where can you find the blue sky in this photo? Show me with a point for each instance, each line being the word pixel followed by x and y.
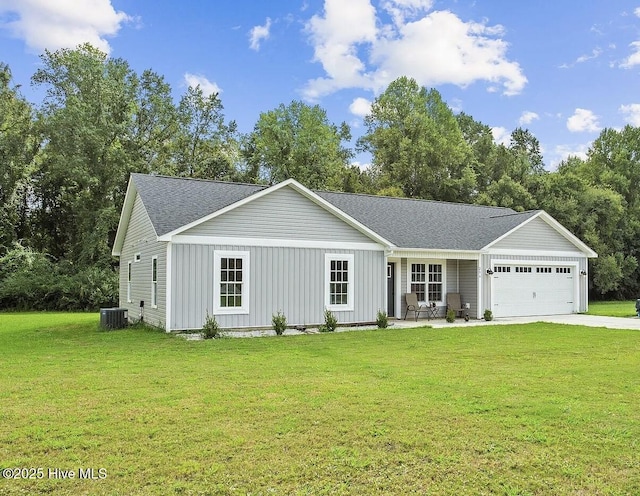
pixel 563 69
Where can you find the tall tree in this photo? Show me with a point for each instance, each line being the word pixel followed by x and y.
pixel 417 144
pixel 205 147
pixel 298 141
pixel 17 149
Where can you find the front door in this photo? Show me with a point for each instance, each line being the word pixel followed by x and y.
pixel 391 289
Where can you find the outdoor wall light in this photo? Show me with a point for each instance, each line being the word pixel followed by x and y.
pixel 489 272
pixel 583 272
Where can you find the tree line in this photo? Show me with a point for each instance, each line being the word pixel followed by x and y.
pixel 65 164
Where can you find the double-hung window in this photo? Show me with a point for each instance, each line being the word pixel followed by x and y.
pixel 435 282
pixel 231 286
pixel 426 280
pixel 339 282
pixel 418 280
pixel 154 281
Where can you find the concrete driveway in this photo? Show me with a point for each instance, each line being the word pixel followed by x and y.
pixel 571 319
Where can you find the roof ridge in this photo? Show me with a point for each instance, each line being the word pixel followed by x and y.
pixel 423 200
pixel 514 214
pixel 217 181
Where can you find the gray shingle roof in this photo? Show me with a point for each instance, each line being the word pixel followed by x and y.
pixel 174 202
pixel 425 224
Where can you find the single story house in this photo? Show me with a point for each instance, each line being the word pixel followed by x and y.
pixel 243 252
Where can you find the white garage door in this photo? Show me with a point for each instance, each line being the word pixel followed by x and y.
pixel 523 290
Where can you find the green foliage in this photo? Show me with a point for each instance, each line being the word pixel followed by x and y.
pixel 488 315
pixel 211 329
pixel 330 322
pixel 417 144
pixel 31 280
pixel 382 320
pixel 279 323
pixel 298 141
pixel 450 316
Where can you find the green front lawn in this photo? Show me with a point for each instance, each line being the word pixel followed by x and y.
pixel 515 410
pixel 613 308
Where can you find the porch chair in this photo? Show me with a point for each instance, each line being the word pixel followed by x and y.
pixel 453 303
pixel 414 306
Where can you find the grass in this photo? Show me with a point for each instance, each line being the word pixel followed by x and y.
pixel 512 410
pixel 613 308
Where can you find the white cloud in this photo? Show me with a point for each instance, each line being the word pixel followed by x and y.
pixel 360 107
pixel 501 136
pixel 62 23
pixel 563 152
pixel 528 117
pixel 259 33
pixel 207 87
pixel 637 11
pixel 583 120
pixel 357 50
pixel 631 113
pixel 634 58
pixel 399 10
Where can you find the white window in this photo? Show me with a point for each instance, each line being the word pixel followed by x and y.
pixel 339 282
pixel 154 281
pixel 129 282
pixel 427 280
pixel 418 280
pixel 435 282
pixel 137 257
pixel 231 282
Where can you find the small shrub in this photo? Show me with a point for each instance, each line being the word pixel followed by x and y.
pixel 451 315
pixel 279 322
pixel 382 320
pixel 211 329
pixel 330 322
pixel 488 315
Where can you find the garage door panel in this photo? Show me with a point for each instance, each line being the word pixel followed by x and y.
pixel 532 290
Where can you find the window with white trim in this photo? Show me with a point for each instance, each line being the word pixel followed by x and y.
pixel 129 282
pixel 339 282
pixel 419 280
pixel 435 282
pixel 154 281
pixel 426 280
pixel 231 282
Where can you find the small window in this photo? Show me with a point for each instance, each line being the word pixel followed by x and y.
pixel 503 268
pixel 543 270
pixel 154 282
pixel 339 281
pixel 137 257
pixel 231 290
pixel 563 270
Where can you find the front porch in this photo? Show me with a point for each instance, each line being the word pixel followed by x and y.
pixel 431 277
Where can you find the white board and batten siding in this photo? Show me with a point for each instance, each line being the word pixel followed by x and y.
pixel 287 237
pixel 139 248
pixel 537 271
pixel 291 280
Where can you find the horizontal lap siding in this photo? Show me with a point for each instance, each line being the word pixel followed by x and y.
pixel 282 214
pixel 536 235
pixel 141 238
pixel 291 280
